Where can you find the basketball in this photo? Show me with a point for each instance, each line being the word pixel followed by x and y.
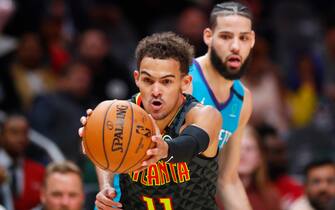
pixel 117 136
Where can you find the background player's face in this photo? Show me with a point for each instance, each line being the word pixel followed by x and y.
pixel 63 192
pixel 229 44
pixel 161 83
pixel 320 186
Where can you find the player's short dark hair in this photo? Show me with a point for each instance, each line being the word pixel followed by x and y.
pixel 164 46
pixel 229 8
pixel 318 163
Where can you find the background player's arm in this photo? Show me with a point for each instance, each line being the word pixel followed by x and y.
pixel 105 178
pixel 104 199
pixel 230 190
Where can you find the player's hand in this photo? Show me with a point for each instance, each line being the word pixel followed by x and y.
pixel 81 130
pixel 157 153
pixel 104 199
pixel 83 121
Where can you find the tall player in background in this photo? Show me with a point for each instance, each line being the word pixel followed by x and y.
pixel 216 75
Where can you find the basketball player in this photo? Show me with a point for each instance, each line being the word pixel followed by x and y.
pixel 216 82
pixel 182 172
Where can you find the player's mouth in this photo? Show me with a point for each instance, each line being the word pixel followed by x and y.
pixel 156 104
pixel 234 62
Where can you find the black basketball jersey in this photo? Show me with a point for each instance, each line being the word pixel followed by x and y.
pixel 167 186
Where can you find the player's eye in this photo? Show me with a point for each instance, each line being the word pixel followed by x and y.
pixel 166 81
pixel 244 38
pixel 147 80
pixel 225 36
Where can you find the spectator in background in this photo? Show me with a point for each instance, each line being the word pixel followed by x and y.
pixel 190 24
pixel 319 187
pixel 28 72
pixel 25 175
pixel 62 187
pixel 253 174
pixel 277 162
pixel 263 80
pixel 329 63
pixel 56 114
pixel 302 97
pixel 122 37
pixel 111 80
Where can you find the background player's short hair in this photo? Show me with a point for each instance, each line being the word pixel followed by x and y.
pixel 164 46
pixel 227 9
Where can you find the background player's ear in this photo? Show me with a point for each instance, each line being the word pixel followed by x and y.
pixel 207 36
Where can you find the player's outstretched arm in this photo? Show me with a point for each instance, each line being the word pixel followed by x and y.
pixel 200 135
pixel 230 190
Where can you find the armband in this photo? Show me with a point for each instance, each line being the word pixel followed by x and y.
pixel 191 141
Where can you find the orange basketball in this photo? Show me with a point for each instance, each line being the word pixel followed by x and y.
pixel 117 136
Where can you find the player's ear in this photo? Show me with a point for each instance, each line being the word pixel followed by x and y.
pixel 207 36
pixel 136 77
pixel 253 39
pixel 186 82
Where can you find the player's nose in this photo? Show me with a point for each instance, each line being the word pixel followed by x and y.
pixel 235 46
pixel 156 90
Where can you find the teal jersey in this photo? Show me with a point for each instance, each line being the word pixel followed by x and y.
pixel 230 109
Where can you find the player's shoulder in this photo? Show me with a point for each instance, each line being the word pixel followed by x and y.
pixel 247 94
pixel 247 106
pixel 204 111
pixel 241 89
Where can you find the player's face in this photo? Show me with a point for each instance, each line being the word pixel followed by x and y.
pixel 320 186
pixel 63 192
pixel 229 45
pixel 161 84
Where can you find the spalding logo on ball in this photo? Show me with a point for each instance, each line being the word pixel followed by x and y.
pixel 117 136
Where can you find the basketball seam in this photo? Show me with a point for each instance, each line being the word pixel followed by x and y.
pixel 103 135
pixel 130 135
pixel 88 150
pixel 141 159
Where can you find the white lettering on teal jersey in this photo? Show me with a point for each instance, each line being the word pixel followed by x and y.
pixel 223 137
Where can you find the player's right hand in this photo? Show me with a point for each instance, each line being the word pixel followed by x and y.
pixel 104 199
pixel 83 121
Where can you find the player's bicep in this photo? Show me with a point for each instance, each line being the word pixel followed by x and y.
pixel 210 120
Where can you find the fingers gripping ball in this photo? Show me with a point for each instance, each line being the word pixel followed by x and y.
pixel 117 136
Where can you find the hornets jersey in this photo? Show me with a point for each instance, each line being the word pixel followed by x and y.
pixel 230 110
pixel 168 186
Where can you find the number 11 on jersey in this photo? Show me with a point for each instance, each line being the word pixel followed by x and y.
pixel 165 202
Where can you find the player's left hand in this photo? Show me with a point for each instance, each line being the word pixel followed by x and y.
pixel 157 153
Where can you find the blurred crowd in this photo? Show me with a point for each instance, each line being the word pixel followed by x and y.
pixel 60 57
